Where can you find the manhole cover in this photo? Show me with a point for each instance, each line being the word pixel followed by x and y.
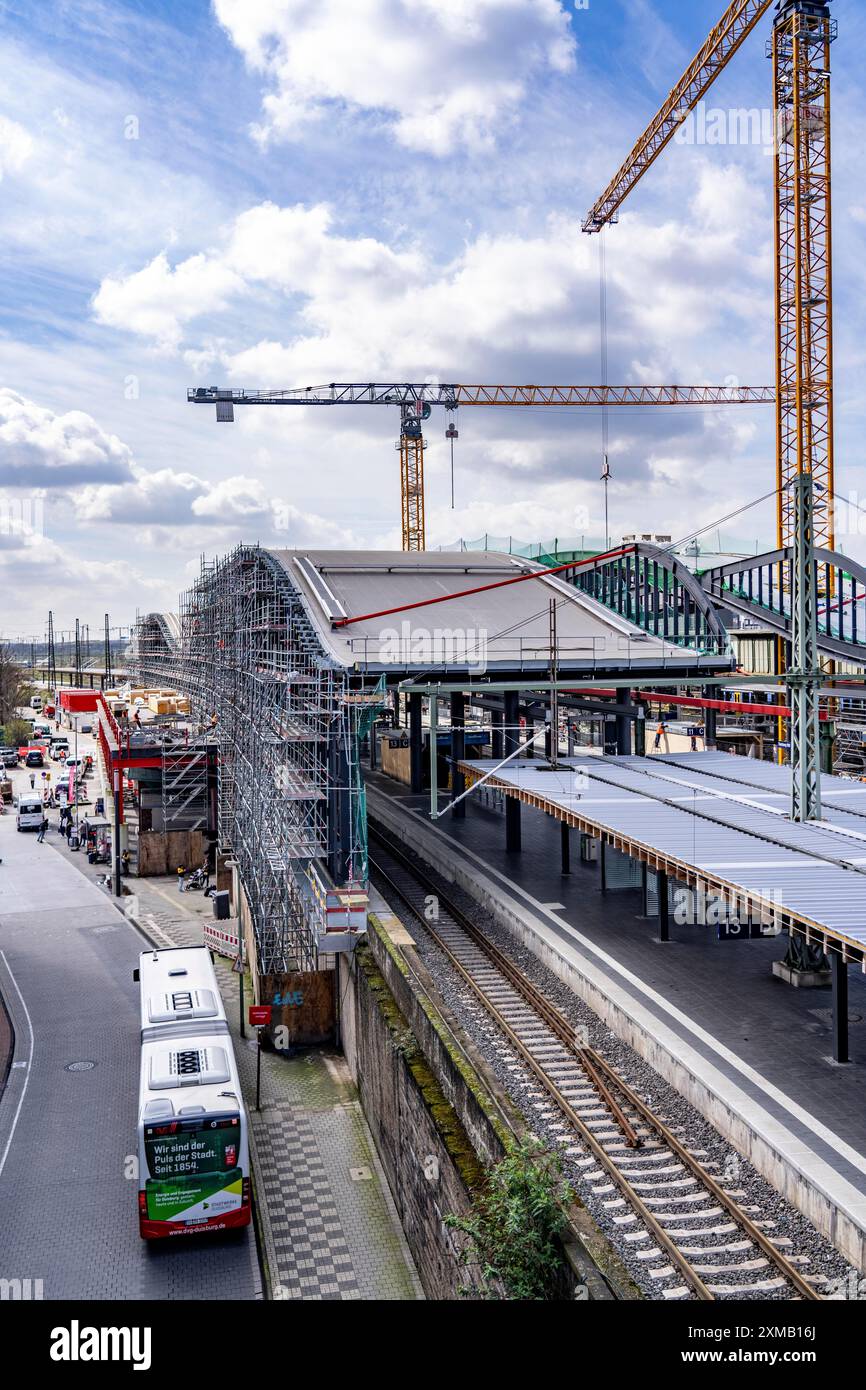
pixel 79 1066
pixel 826 1016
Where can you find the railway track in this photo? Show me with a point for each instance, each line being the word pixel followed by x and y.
pixel 693 1236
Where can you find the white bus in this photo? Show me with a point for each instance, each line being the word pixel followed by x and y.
pixel 194 1167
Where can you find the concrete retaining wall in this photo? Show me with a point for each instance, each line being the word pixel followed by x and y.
pixel 474 1119
pixel 428 1159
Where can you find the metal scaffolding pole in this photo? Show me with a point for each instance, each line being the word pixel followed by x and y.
pixel 804 677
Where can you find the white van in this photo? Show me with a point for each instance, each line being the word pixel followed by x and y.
pixel 36 702
pixel 30 811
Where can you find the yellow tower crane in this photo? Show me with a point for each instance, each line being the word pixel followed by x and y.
pixel 800 49
pixel 416 401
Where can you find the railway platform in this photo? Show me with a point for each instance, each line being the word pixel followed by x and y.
pixel 753 1054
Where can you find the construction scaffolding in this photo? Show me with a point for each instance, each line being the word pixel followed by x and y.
pixel 288 721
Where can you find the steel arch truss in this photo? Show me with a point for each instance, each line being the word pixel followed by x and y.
pixel 654 590
pixel 761 587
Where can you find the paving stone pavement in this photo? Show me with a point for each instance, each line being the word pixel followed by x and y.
pixel 329 1227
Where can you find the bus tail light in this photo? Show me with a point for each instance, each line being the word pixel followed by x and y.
pixel 245 1192
pixel 142 1203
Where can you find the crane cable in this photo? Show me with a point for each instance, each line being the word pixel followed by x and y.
pixel 605 410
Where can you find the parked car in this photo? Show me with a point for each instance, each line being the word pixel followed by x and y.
pixel 36 702
pixel 8 756
pixel 59 749
pixel 34 758
pixel 86 727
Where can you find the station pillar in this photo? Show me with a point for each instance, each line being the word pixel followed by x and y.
pixel 664 915
pixel 372 745
pixel 640 734
pixel 565 835
pixel 496 747
pixel 458 750
pixel 711 719
pixel 840 1008
pixel 512 742
pixel 416 744
pixel 623 728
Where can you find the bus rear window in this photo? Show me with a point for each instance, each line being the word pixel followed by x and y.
pixel 189 1147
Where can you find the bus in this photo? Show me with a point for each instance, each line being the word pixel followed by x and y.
pixel 193 1150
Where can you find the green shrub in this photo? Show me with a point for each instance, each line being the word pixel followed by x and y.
pixel 515 1223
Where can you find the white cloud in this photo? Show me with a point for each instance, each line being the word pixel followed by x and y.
pixel 516 303
pixel 40 449
pixel 16 146
pixel 166 501
pixel 442 74
pixel 157 301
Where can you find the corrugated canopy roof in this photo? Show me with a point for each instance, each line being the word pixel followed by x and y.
pixel 725 818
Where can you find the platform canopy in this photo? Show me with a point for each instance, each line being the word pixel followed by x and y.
pixel 717 823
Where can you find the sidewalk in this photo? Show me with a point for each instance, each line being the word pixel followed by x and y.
pixel 328 1228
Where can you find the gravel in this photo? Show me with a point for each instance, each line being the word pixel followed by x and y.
pixel 714 1152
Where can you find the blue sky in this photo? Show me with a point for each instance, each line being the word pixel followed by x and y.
pixel 371 191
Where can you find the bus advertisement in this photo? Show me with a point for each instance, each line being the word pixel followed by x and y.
pixel 192 1126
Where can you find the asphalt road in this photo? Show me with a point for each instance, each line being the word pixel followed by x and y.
pixel 68 1210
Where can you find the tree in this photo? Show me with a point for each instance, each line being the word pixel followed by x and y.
pixel 12 684
pixel 15 733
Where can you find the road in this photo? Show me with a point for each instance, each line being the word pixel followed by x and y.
pixel 67 1133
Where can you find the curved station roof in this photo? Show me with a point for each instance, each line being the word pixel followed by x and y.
pixel 439 612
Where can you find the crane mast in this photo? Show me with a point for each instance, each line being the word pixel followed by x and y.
pixel 800 49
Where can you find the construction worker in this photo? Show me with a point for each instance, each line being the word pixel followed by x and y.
pixel 657 742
